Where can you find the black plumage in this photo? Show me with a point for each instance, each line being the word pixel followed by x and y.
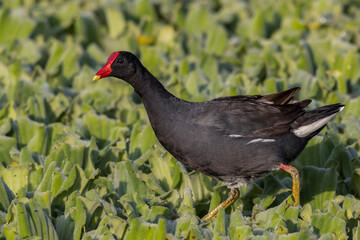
pixel 232 139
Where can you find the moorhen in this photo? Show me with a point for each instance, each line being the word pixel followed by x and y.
pixel 231 139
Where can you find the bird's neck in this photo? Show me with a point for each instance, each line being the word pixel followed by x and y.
pixel 147 86
pixel 153 94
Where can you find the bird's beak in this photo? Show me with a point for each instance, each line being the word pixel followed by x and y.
pixel 106 70
pixel 96 77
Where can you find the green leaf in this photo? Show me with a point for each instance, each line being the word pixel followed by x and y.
pixel 217 40
pixel 40 141
pixel 115 21
pixel 318 186
pixel 29 51
pixel 141 230
pixel 35 176
pixel 153 58
pixel 141 139
pixel 355 181
pixel 270 219
pixel 106 130
pixel 126 180
pixel 70 64
pixel 326 223
pixel 5 127
pixel 86 27
pixel 237 219
pixel 185 224
pixel 242 232
pixel 356 232
pixel 59 105
pixel 39 109
pixel 57 53
pixel 133 205
pixel 195 182
pixel 215 200
pixel 6 144
pixel 317 152
pixel 75 182
pixel 6 196
pixel 353 108
pixel 220 223
pixel 67 155
pixel 45 184
pixel 80 219
pixel 254 66
pixel 156 213
pixel 191 84
pixel 165 168
pixel 14 25
pixel 43 224
pixel 26 226
pixel 25 130
pixel 259 24
pixel 307 82
pixel 161 230
pixel 200 16
pixel 65 227
pixel 351 66
pixel 43 199
pixel 145 9
pixel 25 157
pixel 10 231
pixel 16 178
pixel 187 203
pixel 101 99
pixel 117 225
pixel 97 208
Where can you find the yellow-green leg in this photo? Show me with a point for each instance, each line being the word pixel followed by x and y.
pixel 232 197
pixel 295 175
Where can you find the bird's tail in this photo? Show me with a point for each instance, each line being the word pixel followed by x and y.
pixel 313 121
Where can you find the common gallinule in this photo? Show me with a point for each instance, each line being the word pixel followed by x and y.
pixel 232 139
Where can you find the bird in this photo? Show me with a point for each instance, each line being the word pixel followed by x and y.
pixel 233 139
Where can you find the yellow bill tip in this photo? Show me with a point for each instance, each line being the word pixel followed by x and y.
pixel 96 77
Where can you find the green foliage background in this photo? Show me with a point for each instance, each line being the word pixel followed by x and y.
pixel 79 159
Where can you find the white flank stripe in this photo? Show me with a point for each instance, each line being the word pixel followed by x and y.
pixel 265 140
pixel 304 131
pixel 268 140
pixel 236 136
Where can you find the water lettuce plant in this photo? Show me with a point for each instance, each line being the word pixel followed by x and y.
pixel 79 160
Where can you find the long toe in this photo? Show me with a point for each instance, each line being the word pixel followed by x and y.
pixel 232 197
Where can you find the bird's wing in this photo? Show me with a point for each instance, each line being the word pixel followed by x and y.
pixel 279 98
pixel 248 116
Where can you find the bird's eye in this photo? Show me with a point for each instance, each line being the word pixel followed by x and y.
pixel 121 60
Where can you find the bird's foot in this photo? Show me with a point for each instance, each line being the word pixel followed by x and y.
pixel 232 197
pixel 295 175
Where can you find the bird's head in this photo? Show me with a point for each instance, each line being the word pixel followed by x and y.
pixel 121 65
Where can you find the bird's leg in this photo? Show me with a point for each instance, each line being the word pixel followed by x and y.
pixel 295 175
pixel 232 197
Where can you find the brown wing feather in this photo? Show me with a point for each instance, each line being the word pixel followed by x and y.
pixel 281 122
pixel 254 116
pixel 279 98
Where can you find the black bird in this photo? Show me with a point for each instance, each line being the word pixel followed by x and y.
pixel 232 139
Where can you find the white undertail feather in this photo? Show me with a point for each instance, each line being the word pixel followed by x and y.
pixel 304 131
